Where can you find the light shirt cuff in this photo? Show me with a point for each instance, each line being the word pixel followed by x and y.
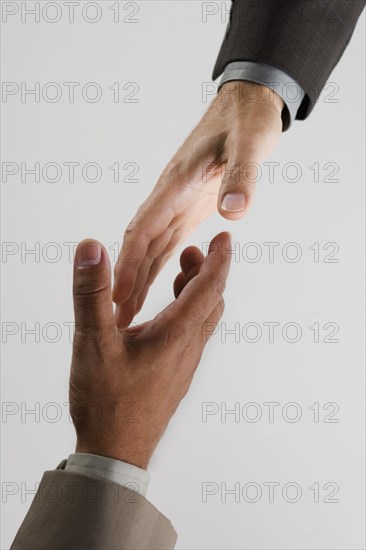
pixel 109 469
pixel 275 79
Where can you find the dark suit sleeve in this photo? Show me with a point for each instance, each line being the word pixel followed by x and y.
pixel 303 38
pixel 76 512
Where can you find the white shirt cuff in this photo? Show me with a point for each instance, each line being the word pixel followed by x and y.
pixel 109 469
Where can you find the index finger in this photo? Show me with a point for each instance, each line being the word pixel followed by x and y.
pixel 149 222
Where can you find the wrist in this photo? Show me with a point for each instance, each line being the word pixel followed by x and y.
pixel 239 92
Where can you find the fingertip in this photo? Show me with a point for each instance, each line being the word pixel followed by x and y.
pixel 233 202
pixel 190 257
pixel 141 298
pixel 124 281
pixel 231 216
pixel 219 255
pixel 89 253
pixel 222 240
pixel 120 318
pixel 125 313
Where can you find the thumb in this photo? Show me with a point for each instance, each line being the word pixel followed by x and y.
pixel 92 287
pixel 246 149
pixel 238 186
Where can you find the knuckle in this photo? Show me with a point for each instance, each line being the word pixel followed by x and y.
pixel 257 142
pixel 175 174
pixel 90 290
pixel 221 307
pixel 195 324
pixel 133 231
pixel 182 329
pixel 219 285
pixel 170 337
pixel 174 169
pixel 136 231
pixel 130 227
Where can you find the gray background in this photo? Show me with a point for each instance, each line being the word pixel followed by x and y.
pixel 169 53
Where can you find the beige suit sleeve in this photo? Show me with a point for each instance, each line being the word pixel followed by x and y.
pixel 75 512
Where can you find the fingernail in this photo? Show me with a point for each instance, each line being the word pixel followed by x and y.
pixel 89 254
pixel 233 202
